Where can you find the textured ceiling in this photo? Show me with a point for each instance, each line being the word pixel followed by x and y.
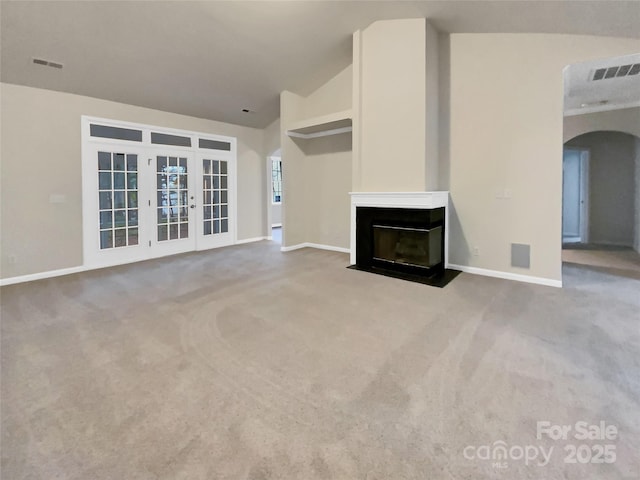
pixel 212 59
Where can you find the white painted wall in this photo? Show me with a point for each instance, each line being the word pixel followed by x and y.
pixel 391 110
pixel 294 221
pixel 272 147
pixel 626 120
pixel 272 137
pixel 506 134
pixel 317 171
pixel 276 214
pixel 444 110
pixel 432 110
pixel 40 153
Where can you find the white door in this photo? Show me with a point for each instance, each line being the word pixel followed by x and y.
pixel 574 195
pixel 215 199
pixel 172 202
pixel 115 224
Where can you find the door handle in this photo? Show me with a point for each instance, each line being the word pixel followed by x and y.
pixel 192 206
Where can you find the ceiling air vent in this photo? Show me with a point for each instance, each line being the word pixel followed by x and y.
pixel 47 63
pixel 616 72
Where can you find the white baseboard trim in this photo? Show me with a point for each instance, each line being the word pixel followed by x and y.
pixel 250 240
pixel 86 268
pixel 508 276
pixel 328 247
pixel 293 247
pixel 42 275
pixel 314 245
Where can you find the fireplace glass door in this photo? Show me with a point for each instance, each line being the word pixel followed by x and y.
pixel 416 247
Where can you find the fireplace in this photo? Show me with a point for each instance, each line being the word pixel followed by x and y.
pixel 405 239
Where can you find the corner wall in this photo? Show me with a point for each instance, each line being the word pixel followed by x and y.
pixel 41 155
pixel 506 144
pixel 316 172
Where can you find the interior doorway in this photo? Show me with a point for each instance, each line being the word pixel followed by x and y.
pixel 608 164
pixel 575 195
pixel 275 200
pixel 601 167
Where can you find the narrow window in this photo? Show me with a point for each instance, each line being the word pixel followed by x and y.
pixel 165 139
pixel 117 133
pixel 214 144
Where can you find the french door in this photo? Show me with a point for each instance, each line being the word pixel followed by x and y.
pixel 172 203
pixel 115 226
pixel 214 206
pixel 142 200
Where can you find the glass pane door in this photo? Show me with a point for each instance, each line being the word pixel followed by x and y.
pixel 173 203
pixel 118 199
pixel 215 219
pixel 147 192
pixel 111 203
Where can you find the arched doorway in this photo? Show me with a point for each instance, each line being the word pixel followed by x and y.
pixel 601 201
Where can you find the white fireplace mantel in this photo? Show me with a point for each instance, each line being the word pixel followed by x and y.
pixel 423 200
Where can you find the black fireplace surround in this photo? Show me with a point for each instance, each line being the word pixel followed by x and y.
pixel 405 243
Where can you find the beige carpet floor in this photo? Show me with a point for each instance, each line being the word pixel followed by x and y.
pixel 246 363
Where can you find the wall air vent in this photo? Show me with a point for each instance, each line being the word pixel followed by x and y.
pixel 616 72
pixel 47 63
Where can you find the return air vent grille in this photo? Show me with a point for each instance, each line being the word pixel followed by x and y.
pixel 616 72
pixel 47 63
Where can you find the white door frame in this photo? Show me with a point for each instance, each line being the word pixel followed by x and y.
pixel 93 256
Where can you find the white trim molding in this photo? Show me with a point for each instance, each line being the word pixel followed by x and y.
pixel 319 246
pixel 42 275
pixel 330 124
pixel 87 268
pixel 424 200
pixel 251 240
pixel 508 276
pixel 291 248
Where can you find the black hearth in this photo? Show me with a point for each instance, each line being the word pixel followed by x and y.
pixel 406 243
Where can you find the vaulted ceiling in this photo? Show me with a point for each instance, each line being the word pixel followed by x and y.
pixel 214 59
